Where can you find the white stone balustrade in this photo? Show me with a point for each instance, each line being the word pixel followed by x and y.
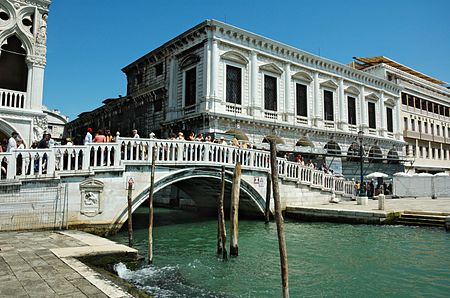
pixel 12 98
pixel 68 160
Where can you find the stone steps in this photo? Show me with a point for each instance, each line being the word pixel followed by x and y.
pixel 422 219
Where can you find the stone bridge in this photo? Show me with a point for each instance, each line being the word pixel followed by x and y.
pixel 90 181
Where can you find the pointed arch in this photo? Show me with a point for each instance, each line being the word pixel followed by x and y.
pixel 13 66
pixel 234 56
pixel 271 67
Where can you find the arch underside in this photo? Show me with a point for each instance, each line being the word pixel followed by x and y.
pixel 202 184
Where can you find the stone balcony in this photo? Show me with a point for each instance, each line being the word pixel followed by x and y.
pixel 12 99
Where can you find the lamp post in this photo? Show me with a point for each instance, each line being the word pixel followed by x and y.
pixel 360 138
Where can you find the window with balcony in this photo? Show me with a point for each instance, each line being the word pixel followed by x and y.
pixel 426 152
pixel 270 93
pixel 328 105
pixel 390 123
pixel 372 116
pixel 351 110
pixel 190 87
pixel 158 69
pixel 234 85
pixel 420 152
pixel 301 100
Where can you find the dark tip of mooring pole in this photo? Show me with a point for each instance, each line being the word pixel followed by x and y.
pixel 234 251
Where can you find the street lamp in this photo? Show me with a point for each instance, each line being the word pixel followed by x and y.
pixel 360 138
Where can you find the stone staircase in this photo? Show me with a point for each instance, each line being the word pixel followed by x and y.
pixel 415 218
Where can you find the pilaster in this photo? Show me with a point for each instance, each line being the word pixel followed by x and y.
pixel 363 108
pixel 317 118
pixel 342 123
pixel 382 129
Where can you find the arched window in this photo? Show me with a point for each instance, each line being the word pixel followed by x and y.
pixel 392 156
pixel 375 154
pixel 332 148
pixel 13 69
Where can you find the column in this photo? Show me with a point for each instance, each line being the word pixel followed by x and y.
pixel 287 94
pixel 214 65
pixel 318 119
pixel 363 108
pixel 417 149
pixel 29 85
pixel 397 131
pixel 172 90
pixel 441 151
pixel 382 129
pixel 37 87
pixel 255 109
pixel 343 121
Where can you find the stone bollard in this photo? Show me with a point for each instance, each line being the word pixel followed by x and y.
pixel 364 201
pixel 381 199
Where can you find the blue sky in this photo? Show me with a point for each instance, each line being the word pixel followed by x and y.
pixel 89 41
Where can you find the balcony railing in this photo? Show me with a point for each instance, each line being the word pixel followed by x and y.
pixel 12 98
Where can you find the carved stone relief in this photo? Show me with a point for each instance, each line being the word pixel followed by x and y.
pixel 91 197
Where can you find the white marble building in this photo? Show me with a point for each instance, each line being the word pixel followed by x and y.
pixel 425 113
pixel 218 77
pixel 23 34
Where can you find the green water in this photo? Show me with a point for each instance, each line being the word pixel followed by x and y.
pixel 325 260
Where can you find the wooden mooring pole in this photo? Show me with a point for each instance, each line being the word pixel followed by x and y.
pixel 234 210
pixel 279 219
pixel 150 207
pixel 268 195
pixel 130 217
pixel 221 231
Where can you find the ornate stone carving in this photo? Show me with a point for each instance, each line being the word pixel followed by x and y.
pixel 39 126
pixel 91 197
pixel 41 36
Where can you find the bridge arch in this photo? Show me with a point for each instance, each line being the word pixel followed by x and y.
pixel 249 194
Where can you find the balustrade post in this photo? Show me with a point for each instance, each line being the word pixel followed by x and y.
pixel 117 151
pixel 86 157
pixel 207 148
pixel 11 168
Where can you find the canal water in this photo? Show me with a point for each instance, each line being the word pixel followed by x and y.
pixel 325 259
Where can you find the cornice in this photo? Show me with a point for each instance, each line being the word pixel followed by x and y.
pixel 43 4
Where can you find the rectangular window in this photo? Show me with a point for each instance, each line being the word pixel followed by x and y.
pixel 390 123
pixel 302 101
pixel 404 99
pixel 158 69
pixel 405 123
pixel 417 102
pixel 157 105
pixel 420 152
pixel 424 104
pixel 430 107
pixel 351 107
pixel 432 128
pixel 234 85
pixel 419 125
pixel 410 101
pixel 447 112
pixel 372 119
pixel 436 108
pixel 328 105
pixel 425 126
pixel 413 125
pixel 438 130
pixel 190 87
pixel 270 93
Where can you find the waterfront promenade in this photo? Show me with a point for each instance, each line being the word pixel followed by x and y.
pixel 43 264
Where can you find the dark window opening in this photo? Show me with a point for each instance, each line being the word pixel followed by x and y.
pixel 390 123
pixel 190 87
pixel 328 104
pixel 158 69
pixel 351 107
pixel 270 93
pixel 410 101
pixel 404 99
pixel 302 102
pixel 436 109
pixel 430 107
pixel 157 105
pixel 13 68
pixel 372 119
pixel 424 104
pixel 417 102
pixel 234 85
pixel 139 78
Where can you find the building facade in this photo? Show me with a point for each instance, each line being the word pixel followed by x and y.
pixel 23 35
pixel 214 78
pixel 425 114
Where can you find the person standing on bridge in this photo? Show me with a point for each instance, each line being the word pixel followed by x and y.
pixel 12 143
pixel 88 137
pixel 135 134
pixel 99 137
